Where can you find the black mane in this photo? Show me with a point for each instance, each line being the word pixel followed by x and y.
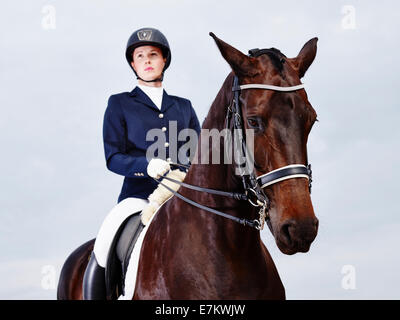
pixel 277 57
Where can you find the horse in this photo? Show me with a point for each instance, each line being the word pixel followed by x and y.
pixel 189 252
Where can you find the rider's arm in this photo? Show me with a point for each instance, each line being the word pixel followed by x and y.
pixel 118 160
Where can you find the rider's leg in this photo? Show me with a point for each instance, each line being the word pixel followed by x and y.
pixel 94 278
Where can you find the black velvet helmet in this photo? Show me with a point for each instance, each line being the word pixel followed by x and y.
pixel 148 36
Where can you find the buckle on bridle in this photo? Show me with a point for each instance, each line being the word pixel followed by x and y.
pixel 309 177
pixel 263 205
pixel 263 214
pixel 257 203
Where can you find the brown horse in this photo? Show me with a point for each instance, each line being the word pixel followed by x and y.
pixel 190 253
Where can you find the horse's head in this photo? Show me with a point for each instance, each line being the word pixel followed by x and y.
pixel 282 122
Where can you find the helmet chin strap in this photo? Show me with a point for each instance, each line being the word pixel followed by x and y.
pixel 155 80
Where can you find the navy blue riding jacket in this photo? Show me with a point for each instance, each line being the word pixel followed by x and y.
pixel 127 119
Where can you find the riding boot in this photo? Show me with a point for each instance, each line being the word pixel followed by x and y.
pixel 94 283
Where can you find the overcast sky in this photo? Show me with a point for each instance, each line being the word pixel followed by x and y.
pixel 61 60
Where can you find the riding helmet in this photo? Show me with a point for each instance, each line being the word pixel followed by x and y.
pixel 148 36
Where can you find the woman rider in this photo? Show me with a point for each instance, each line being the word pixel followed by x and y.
pixel 128 118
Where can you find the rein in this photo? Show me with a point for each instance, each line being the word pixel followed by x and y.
pixel 243 221
pixel 253 185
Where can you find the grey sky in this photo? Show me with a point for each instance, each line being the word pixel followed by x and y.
pixel 55 83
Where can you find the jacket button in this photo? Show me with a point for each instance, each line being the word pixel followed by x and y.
pixel 161 116
pixel 163 129
pixel 166 144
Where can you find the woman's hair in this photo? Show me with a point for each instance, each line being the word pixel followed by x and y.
pixel 164 51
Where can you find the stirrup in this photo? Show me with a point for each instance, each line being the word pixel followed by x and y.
pixel 94 286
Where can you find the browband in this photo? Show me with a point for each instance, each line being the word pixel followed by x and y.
pixel 267 87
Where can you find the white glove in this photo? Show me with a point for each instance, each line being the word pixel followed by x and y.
pixel 157 167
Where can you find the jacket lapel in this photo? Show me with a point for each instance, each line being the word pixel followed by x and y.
pixel 166 102
pixel 141 97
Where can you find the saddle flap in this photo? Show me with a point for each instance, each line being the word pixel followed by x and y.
pixel 119 254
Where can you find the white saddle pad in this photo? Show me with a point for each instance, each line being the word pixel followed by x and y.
pixel 131 273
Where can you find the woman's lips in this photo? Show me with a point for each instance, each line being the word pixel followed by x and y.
pixel 148 69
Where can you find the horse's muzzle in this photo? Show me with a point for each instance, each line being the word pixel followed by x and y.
pixel 297 235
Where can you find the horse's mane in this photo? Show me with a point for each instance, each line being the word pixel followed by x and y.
pixel 276 56
pixel 216 114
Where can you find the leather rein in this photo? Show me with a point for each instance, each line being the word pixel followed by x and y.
pixel 252 184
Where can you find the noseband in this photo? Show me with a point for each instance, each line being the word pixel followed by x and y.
pixel 253 185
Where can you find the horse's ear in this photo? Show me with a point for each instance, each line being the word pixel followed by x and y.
pixel 241 64
pixel 305 57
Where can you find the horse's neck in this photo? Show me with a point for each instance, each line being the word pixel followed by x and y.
pixel 232 236
pixel 215 176
pixel 216 115
pixel 220 177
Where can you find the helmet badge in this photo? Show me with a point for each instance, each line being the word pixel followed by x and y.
pixel 144 35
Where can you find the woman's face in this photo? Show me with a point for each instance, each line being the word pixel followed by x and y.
pixel 148 62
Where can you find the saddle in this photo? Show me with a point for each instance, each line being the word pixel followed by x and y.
pixel 128 233
pixel 119 255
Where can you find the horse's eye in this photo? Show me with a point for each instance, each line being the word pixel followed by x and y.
pixel 252 123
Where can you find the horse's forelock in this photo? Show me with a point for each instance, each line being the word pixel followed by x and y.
pixel 276 57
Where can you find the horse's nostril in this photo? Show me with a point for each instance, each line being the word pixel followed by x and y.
pixel 316 223
pixel 299 233
pixel 286 229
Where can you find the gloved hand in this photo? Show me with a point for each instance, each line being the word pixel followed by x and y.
pixel 157 167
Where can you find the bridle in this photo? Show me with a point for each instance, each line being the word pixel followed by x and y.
pixel 252 184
